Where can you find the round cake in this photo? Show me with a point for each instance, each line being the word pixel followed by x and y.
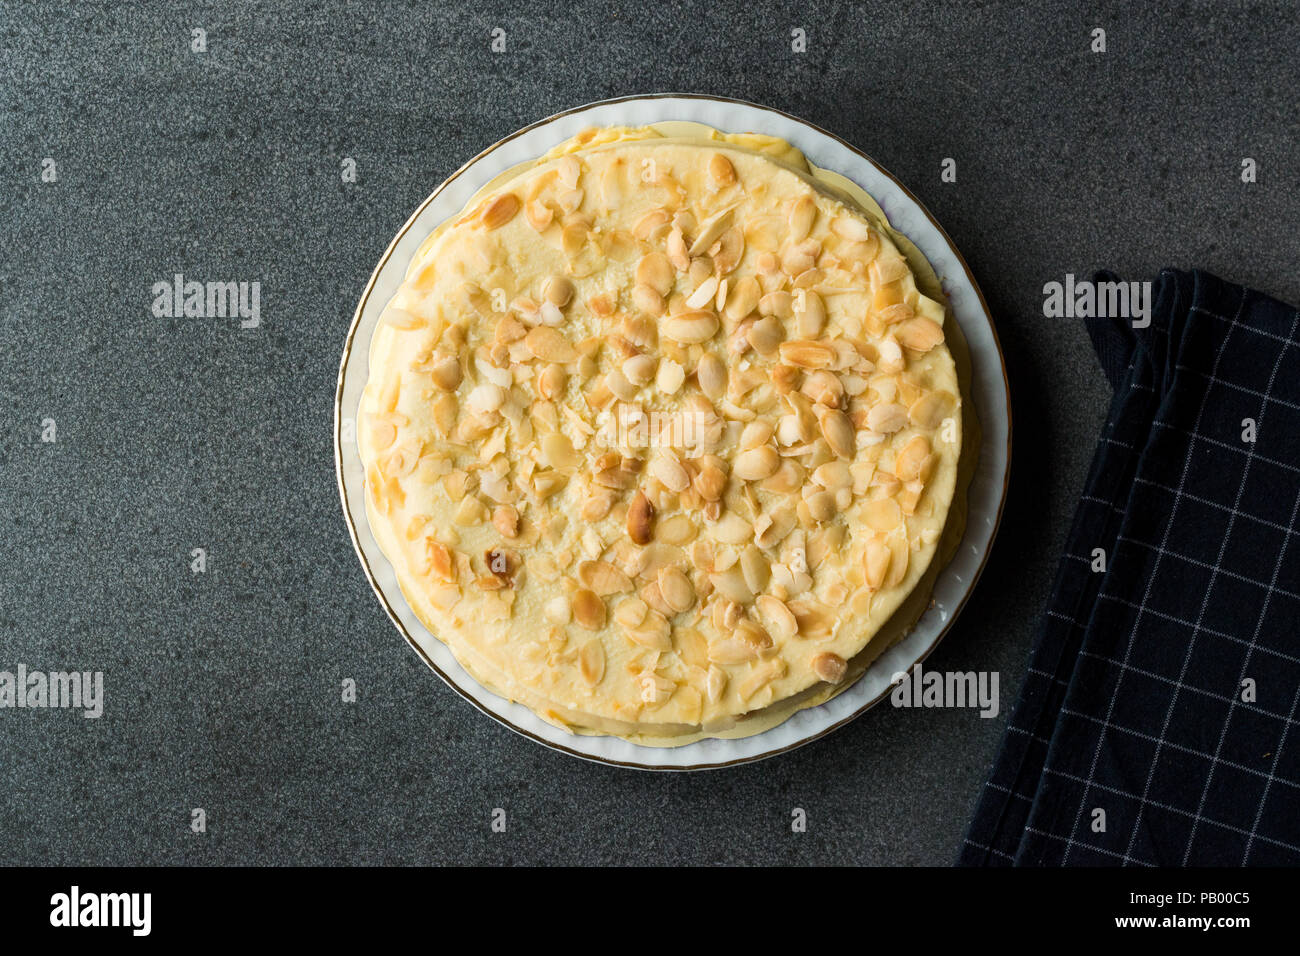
pixel 661 434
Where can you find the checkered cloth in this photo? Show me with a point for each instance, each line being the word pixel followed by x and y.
pixel 1158 722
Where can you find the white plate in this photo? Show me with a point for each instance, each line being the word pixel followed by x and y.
pixel 989 391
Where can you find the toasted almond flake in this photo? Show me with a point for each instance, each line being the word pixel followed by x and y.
pixel 676 589
pixel 899 553
pixel 539 215
pixel 710 230
pixel 703 294
pixel 809 313
pixel 883 514
pixel 854 230
pixel 756 463
pixel 669 471
pixel 798 258
pixel 919 334
pixel 715 683
pixel 743 298
pixel 654 270
pixel 930 409
pixel 648 224
pixel 875 561
pixel 765 335
pixel 551 382
pixel 778 618
pixel 732 650
pixel 890 359
pixel 803 213
pixel 603 578
pixel 446 373
pixel 887 419
pixel 500 210
pixel 588 610
pixel 630 612
pixel 779 304
pixel 591 661
pixel 884 271
pixel 755 569
pixel 670 377
pixel 506 520
pixel 640 517
pixel 908 464
pixel 727 253
pixel 824 388
pixel 712 376
pixel 549 345
pixel 654 634
pixel 839 433
pixel 732 529
pixel 829 667
pixel 558 290
pixel 803 353
pixel 893 314
pixel 690 328
pixel 721 171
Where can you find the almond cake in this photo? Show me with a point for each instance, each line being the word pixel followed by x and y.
pixel 663 434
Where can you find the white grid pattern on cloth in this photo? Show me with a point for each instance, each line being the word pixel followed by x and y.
pixel 1039 823
pixel 1259 621
pixel 1146 598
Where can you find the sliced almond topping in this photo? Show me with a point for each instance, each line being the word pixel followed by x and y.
pixel 715 683
pixel 839 433
pixel 756 464
pixel 648 300
pixel 591 661
pixel 743 298
pixel 829 667
pixel 549 345
pixel 558 290
pixel 883 514
pixel 670 472
pixel 588 610
pixel 710 230
pixel 690 328
pixel 676 589
pixel 712 376
pixel 755 569
pixel 779 304
pixel 875 562
pixel 500 210
pixel 884 271
pixel 810 314
pixel 653 220
pixel 630 612
pixel 887 419
pixel 446 373
pixel 654 270
pixel 919 334
pixel 930 409
pixel 640 517
pixel 603 578
pixel 807 354
pixel 803 213
pixel 908 464
pixel 704 293
pixel 721 171
pixel 506 520
pixel 778 618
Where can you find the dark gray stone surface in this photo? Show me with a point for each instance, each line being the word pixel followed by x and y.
pixel 223 688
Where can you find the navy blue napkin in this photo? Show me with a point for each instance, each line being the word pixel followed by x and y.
pixel 1158 722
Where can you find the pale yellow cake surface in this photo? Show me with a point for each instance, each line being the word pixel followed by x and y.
pixel 661 436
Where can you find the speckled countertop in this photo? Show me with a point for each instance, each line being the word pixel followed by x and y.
pixel 223 688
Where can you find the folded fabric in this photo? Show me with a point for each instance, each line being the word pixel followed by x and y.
pixel 1158 722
